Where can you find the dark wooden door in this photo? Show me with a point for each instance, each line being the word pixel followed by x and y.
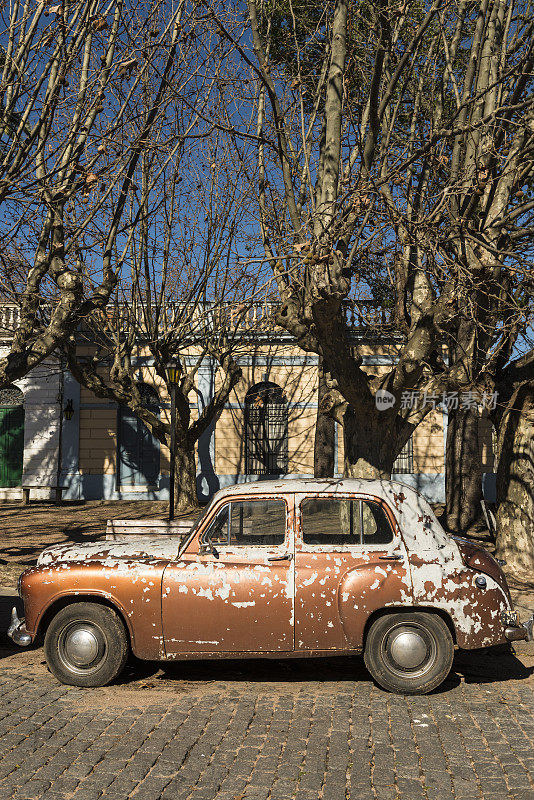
pixel 11 445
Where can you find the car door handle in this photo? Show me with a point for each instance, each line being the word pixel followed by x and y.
pixel 391 557
pixel 285 557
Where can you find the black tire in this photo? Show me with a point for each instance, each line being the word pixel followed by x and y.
pixel 409 653
pixel 86 645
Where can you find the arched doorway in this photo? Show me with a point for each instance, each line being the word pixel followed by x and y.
pixel 11 436
pixel 138 449
pixel 266 424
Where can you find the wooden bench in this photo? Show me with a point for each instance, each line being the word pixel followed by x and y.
pixel 26 489
pixel 118 529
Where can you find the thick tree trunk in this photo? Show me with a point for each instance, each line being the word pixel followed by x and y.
pixel 463 470
pixel 325 436
pixel 515 483
pixel 369 448
pixel 185 479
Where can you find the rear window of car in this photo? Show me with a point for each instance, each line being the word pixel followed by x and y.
pixel 338 521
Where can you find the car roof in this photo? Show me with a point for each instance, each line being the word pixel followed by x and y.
pixel 315 485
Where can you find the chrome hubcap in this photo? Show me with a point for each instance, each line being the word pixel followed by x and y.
pixel 409 649
pixel 81 647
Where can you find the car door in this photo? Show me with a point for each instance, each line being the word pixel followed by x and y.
pixel 349 560
pixel 240 596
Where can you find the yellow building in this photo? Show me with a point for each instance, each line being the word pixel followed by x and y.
pixel 102 451
pixel 266 429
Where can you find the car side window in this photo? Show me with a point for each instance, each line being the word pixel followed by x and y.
pixel 332 520
pixel 375 524
pixel 329 520
pixel 256 522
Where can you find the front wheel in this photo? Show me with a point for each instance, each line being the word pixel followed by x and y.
pixel 409 653
pixel 86 645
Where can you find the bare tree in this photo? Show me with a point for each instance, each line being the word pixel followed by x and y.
pixel 183 296
pixel 463 469
pixel 325 435
pixel 72 138
pixel 395 164
pixel 514 418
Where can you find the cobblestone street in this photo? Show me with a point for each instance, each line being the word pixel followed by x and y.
pixel 253 730
pixel 266 730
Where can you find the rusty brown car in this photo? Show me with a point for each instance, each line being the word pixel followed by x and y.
pixel 275 569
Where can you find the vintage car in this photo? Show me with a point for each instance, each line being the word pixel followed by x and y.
pixel 274 569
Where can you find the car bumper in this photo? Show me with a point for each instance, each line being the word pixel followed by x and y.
pixel 17 630
pixel 517 632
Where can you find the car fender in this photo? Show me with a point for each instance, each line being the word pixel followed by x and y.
pixel 138 601
pixel 476 611
pixel 368 587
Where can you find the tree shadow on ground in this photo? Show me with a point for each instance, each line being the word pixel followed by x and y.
pixel 27 530
pixel 490 664
pixel 7 647
pixel 480 666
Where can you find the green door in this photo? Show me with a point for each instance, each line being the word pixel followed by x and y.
pixel 11 445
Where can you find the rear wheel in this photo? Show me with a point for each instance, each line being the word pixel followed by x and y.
pixel 409 653
pixel 86 645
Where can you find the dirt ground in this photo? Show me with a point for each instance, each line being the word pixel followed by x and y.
pixel 26 530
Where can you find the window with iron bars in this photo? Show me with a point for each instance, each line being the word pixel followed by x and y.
pixel 266 430
pixel 403 464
